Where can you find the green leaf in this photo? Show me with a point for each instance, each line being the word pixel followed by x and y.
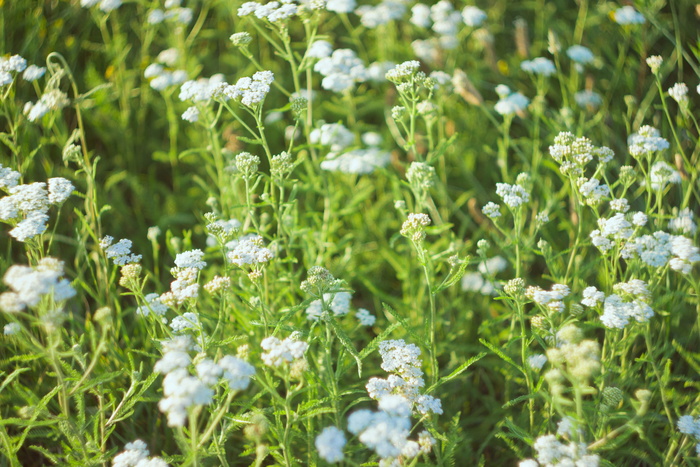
pixel 503 356
pixel 458 371
pixel 402 321
pixel 347 343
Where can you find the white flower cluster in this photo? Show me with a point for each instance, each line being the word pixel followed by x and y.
pixel 28 285
pixel 119 252
pixel 249 250
pixel 479 282
pixel 251 91
pixel 341 70
pixel 271 11
pixel 341 6
pixel 612 232
pixel 662 248
pixel 223 229
pixel 510 102
pixel 334 135
pixel 203 89
pixel 183 390
pixel 627 15
pixel 51 100
pixel 105 5
pixel 683 222
pixel 173 11
pixel 646 141
pixel 160 77
pixel 17 64
pixel 372 16
pixel 551 452
pixel 592 296
pixel 339 305
pixel 135 454
pixel 27 205
pixel 445 20
pixel 185 286
pixel 330 443
pixel 153 304
pixel 574 153
pixel 592 191
pixel 630 300
pixel 190 259
pixel 690 426
pixel 537 361
pixel 414 226
pixel 580 54
pixel 662 174
pixel 679 93
pixel 386 432
pixel 278 352
pixel 513 195
pixel 406 380
pixel 358 161
pixel 551 299
pixel 539 66
pixel 588 98
pixel 365 317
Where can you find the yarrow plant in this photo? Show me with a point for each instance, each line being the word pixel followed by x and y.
pixel 349 232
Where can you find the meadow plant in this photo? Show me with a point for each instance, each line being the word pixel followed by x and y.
pixel 349 232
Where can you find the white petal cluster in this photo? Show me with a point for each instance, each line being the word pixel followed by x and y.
pixel 161 78
pixel 683 222
pixel 182 390
pixel 153 304
pixel 250 251
pixel 588 98
pixel 330 443
pixel 647 140
pixel 173 12
pixel 341 6
pixel 341 70
pixel 567 148
pixel 135 454
pixel 551 299
pixel 358 161
pixel 592 191
pixel 203 89
pixel 271 11
pixel 662 174
pixel 119 252
pixel 537 361
pixel 27 205
pixel 690 426
pixel 679 93
pixel 613 231
pixel 406 379
pixel 386 432
pixel 278 352
pixel 250 91
pixel 627 15
pixel 510 102
pixel 334 135
pixel 580 54
pixel 105 5
pixel 539 66
pixel 184 286
pixel 662 248
pixel 9 65
pixel 630 301
pixel 28 285
pixel 513 195
pixel 33 73
pixel 551 452
pixel 365 317
pixel 372 16
pixel 187 321
pixel 592 296
pixel 339 305
pixel 190 259
pixel 50 100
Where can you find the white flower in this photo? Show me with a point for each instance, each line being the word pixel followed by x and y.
pixel 320 49
pixel 491 210
pixel 33 73
pixel 11 329
pixel 280 352
pixel 592 296
pixel 359 161
pixel 580 54
pixel 330 443
pixel 339 305
pixel 59 190
pixel 473 16
pixel 341 6
pixel 627 15
pixel 250 251
pixel 191 114
pixel 364 317
pixel 236 372
pixel 513 103
pixel 539 66
pixel 536 361
pixel 679 93
pixel 646 140
pixel 334 135
pixel 513 195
